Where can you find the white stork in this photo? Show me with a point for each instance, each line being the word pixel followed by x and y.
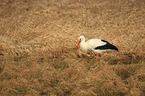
pixel 98 46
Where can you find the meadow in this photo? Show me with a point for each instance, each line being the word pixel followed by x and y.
pixel 38 55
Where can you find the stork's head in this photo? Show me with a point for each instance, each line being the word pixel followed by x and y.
pixel 81 38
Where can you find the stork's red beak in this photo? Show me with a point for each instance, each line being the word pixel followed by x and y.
pixel 78 44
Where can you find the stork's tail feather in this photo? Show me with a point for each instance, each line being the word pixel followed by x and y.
pixel 115 48
pixel 107 46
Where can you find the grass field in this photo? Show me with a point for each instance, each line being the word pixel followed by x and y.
pixel 37 55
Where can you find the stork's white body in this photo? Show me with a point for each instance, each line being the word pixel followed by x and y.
pixel 91 44
pixel 98 46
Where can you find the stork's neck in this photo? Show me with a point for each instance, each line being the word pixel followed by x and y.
pixel 83 46
pixel 83 42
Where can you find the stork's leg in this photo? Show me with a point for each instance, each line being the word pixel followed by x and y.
pixel 96 57
pixel 81 54
pixel 86 54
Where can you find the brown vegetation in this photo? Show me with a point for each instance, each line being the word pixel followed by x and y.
pixel 36 57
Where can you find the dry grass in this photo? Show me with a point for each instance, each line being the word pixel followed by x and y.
pixel 35 53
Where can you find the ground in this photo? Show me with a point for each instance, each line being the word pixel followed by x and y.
pixel 37 54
